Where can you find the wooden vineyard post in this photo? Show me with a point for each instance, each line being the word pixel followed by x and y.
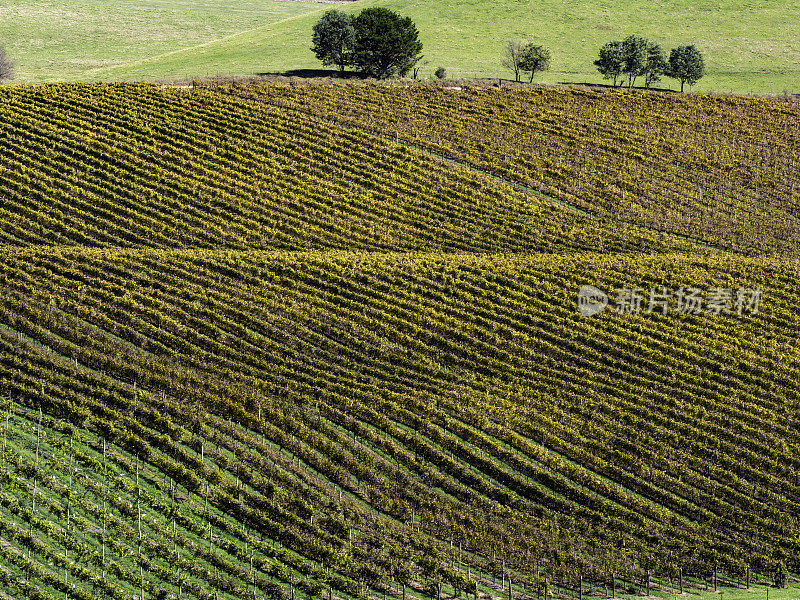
pixel 252 574
pixel 613 585
pixel 680 577
pixel 648 584
pixel 509 588
pixel 103 559
pixel 38 435
pixel 580 588
pixel 715 577
pixel 748 577
pixel 138 510
pixel 5 432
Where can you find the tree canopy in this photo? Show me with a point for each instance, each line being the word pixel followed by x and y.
pixel 512 56
pixel 386 44
pixel 686 65
pixel 333 39
pixel 534 59
pixel 611 61
pixel 634 57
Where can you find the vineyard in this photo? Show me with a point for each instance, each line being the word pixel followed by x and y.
pixel 248 350
pixel 723 170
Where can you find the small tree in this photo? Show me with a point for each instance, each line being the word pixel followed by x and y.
pixel 6 67
pixel 418 67
pixel 656 64
pixel 512 56
pixel 686 64
pixel 634 56
pixel 534 59
pixel 440 73
pixel 386 44
pixel 611 61
pixel 333 39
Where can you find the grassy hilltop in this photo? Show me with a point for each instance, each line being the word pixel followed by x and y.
pixel 749 47
pixel 252 349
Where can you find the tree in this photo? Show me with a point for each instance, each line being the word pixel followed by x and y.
pixel 611 61
pixel 512 57
pixel 386 44
pixel 656 64
pixel 686 64
pixel 6 67
pixel 634 53
pixel 333 39
pixel 440 73
pixel 418 67
pixel 534 59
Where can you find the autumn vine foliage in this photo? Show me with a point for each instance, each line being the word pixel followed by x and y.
pixel 137 165
pixel 721 169
pixel 247 351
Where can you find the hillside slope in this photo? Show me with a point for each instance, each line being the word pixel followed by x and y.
pixel 50 41
pixel 251 352
pixel 722 170
pixel 462 393
pixel 748 49
pixel 137 165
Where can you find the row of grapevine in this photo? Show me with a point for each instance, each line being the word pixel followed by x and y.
pixel 137 165
pixel 446 389
pixel 718 169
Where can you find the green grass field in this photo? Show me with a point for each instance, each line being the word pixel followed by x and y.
pixel 750 47
pixel 54 40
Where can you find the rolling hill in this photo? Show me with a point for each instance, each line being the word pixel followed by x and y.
pixel 719 170
pixel 749 48
pixel 49 41
pixel 253 351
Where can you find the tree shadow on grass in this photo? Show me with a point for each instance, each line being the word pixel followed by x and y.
pixel 608 86
pixel 314 74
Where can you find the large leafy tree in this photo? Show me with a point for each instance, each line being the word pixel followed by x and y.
pixel 333 39
pixel 611 61
pixel 534 59
pixel 386 44
pixel 686 65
